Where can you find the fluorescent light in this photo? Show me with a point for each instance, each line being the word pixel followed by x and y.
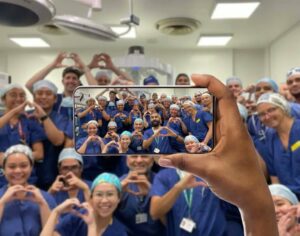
pixel 121 29
pixel 214 40
pixel 234 10
pixel 30 42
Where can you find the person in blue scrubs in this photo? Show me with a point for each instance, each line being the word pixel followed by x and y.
pixel 137 136
pixel 24 209
pixel 102 101
pixel 125 140
pixel 282 140
pixel 120 116
pixel 133 210
pixel 68 183
pixel 57 128
pixel 92 144
pixel 90 112
pixel 186 205
pixel 70 80
pixel 91 147
pixel 92 218
pixel 198 123
pixel 158 138
pixel 15 125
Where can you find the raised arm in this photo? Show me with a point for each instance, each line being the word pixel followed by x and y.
pixel 40 75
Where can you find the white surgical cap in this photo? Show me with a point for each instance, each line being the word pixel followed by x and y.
pixel 112 124
pixel 19 148
pixel 92 122
pixel 6 88
pixel 275 99
pixel 175 106
pixel 191 138
pixel 292 72
pixel 284 192
pixel 44 84
pixel 234 80
pixel 69 153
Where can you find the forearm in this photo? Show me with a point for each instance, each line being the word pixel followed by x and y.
pixel 2 205
pixel 49 227
pixel 160 206
pixel 83 147
pixel 208 135
pixel 44 213
pixel 121 73
pixel 39 76
pixel 6 117
pixel 260 222
pixel 105 115
pixel 55 135
pixel 89 77
pixel 83 113
pixel 148 142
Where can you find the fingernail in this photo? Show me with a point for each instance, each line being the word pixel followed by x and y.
pixel 164 162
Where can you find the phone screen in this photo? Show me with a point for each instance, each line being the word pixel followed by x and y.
pixel 139 120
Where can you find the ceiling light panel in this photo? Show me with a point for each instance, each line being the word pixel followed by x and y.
pixel 121 29
pixel 207 41
pixel 240 10
pixel 30 42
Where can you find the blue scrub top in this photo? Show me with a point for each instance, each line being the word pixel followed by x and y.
pixel 93 147
pixel 206 208
pixel 23 217
pixel 95 114
pixel 47 169
pixel 130 206
pixel 162 143
pixel 26 129
pixel 120 125
pixel 199 127
pixel 61 196
pixel 72 225
pixel 285 164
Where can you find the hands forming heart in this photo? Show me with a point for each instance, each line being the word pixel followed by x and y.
pixel 141 181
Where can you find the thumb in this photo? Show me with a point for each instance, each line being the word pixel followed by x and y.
pixel 197 164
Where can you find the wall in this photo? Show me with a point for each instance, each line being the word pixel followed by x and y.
pixel 248 64
pixel 285 53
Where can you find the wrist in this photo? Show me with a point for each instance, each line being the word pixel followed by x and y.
pixel 44 117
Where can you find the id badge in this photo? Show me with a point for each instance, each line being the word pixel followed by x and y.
pixel 156 150
pixel 187 225
pixel 139 148
pixel 141 218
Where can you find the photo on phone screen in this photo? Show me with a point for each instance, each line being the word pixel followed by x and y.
pixel 143 120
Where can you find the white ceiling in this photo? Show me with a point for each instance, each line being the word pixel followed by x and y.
pixel 271 19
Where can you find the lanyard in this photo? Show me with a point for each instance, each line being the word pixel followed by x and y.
pixel 188 193
pixel 156 139
pixel 21 133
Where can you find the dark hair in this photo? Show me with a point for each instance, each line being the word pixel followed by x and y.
pixel 72 69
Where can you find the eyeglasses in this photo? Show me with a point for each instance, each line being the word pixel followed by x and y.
pixel 70 168
pixel 267 112
pixel 107 195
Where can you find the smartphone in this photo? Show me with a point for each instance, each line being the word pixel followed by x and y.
pixel 171 119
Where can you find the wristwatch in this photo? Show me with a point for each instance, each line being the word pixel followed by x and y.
pixel 44 117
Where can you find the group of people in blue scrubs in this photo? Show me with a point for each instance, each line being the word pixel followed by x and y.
pixel 54 182
pixel 140 125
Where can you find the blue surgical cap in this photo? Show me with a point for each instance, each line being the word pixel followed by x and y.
pixel 150 80
pixel 107 178
pixel 284 192
pixel 270 82
pixel 126 133
pixel 235 80
pixel 243 111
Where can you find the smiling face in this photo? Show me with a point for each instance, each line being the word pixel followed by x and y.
pixel 138 126
pixel 45 98
pixel 139 163
pixel 70 82
pixel 17 169
pixel 261 88
pixel 293 84
pixel 105 199
pixel 235 88
pixel 281 205
pixel 125 141
pixel 270 115
pixel 191 146
pixel 92 129
pixel 14 98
